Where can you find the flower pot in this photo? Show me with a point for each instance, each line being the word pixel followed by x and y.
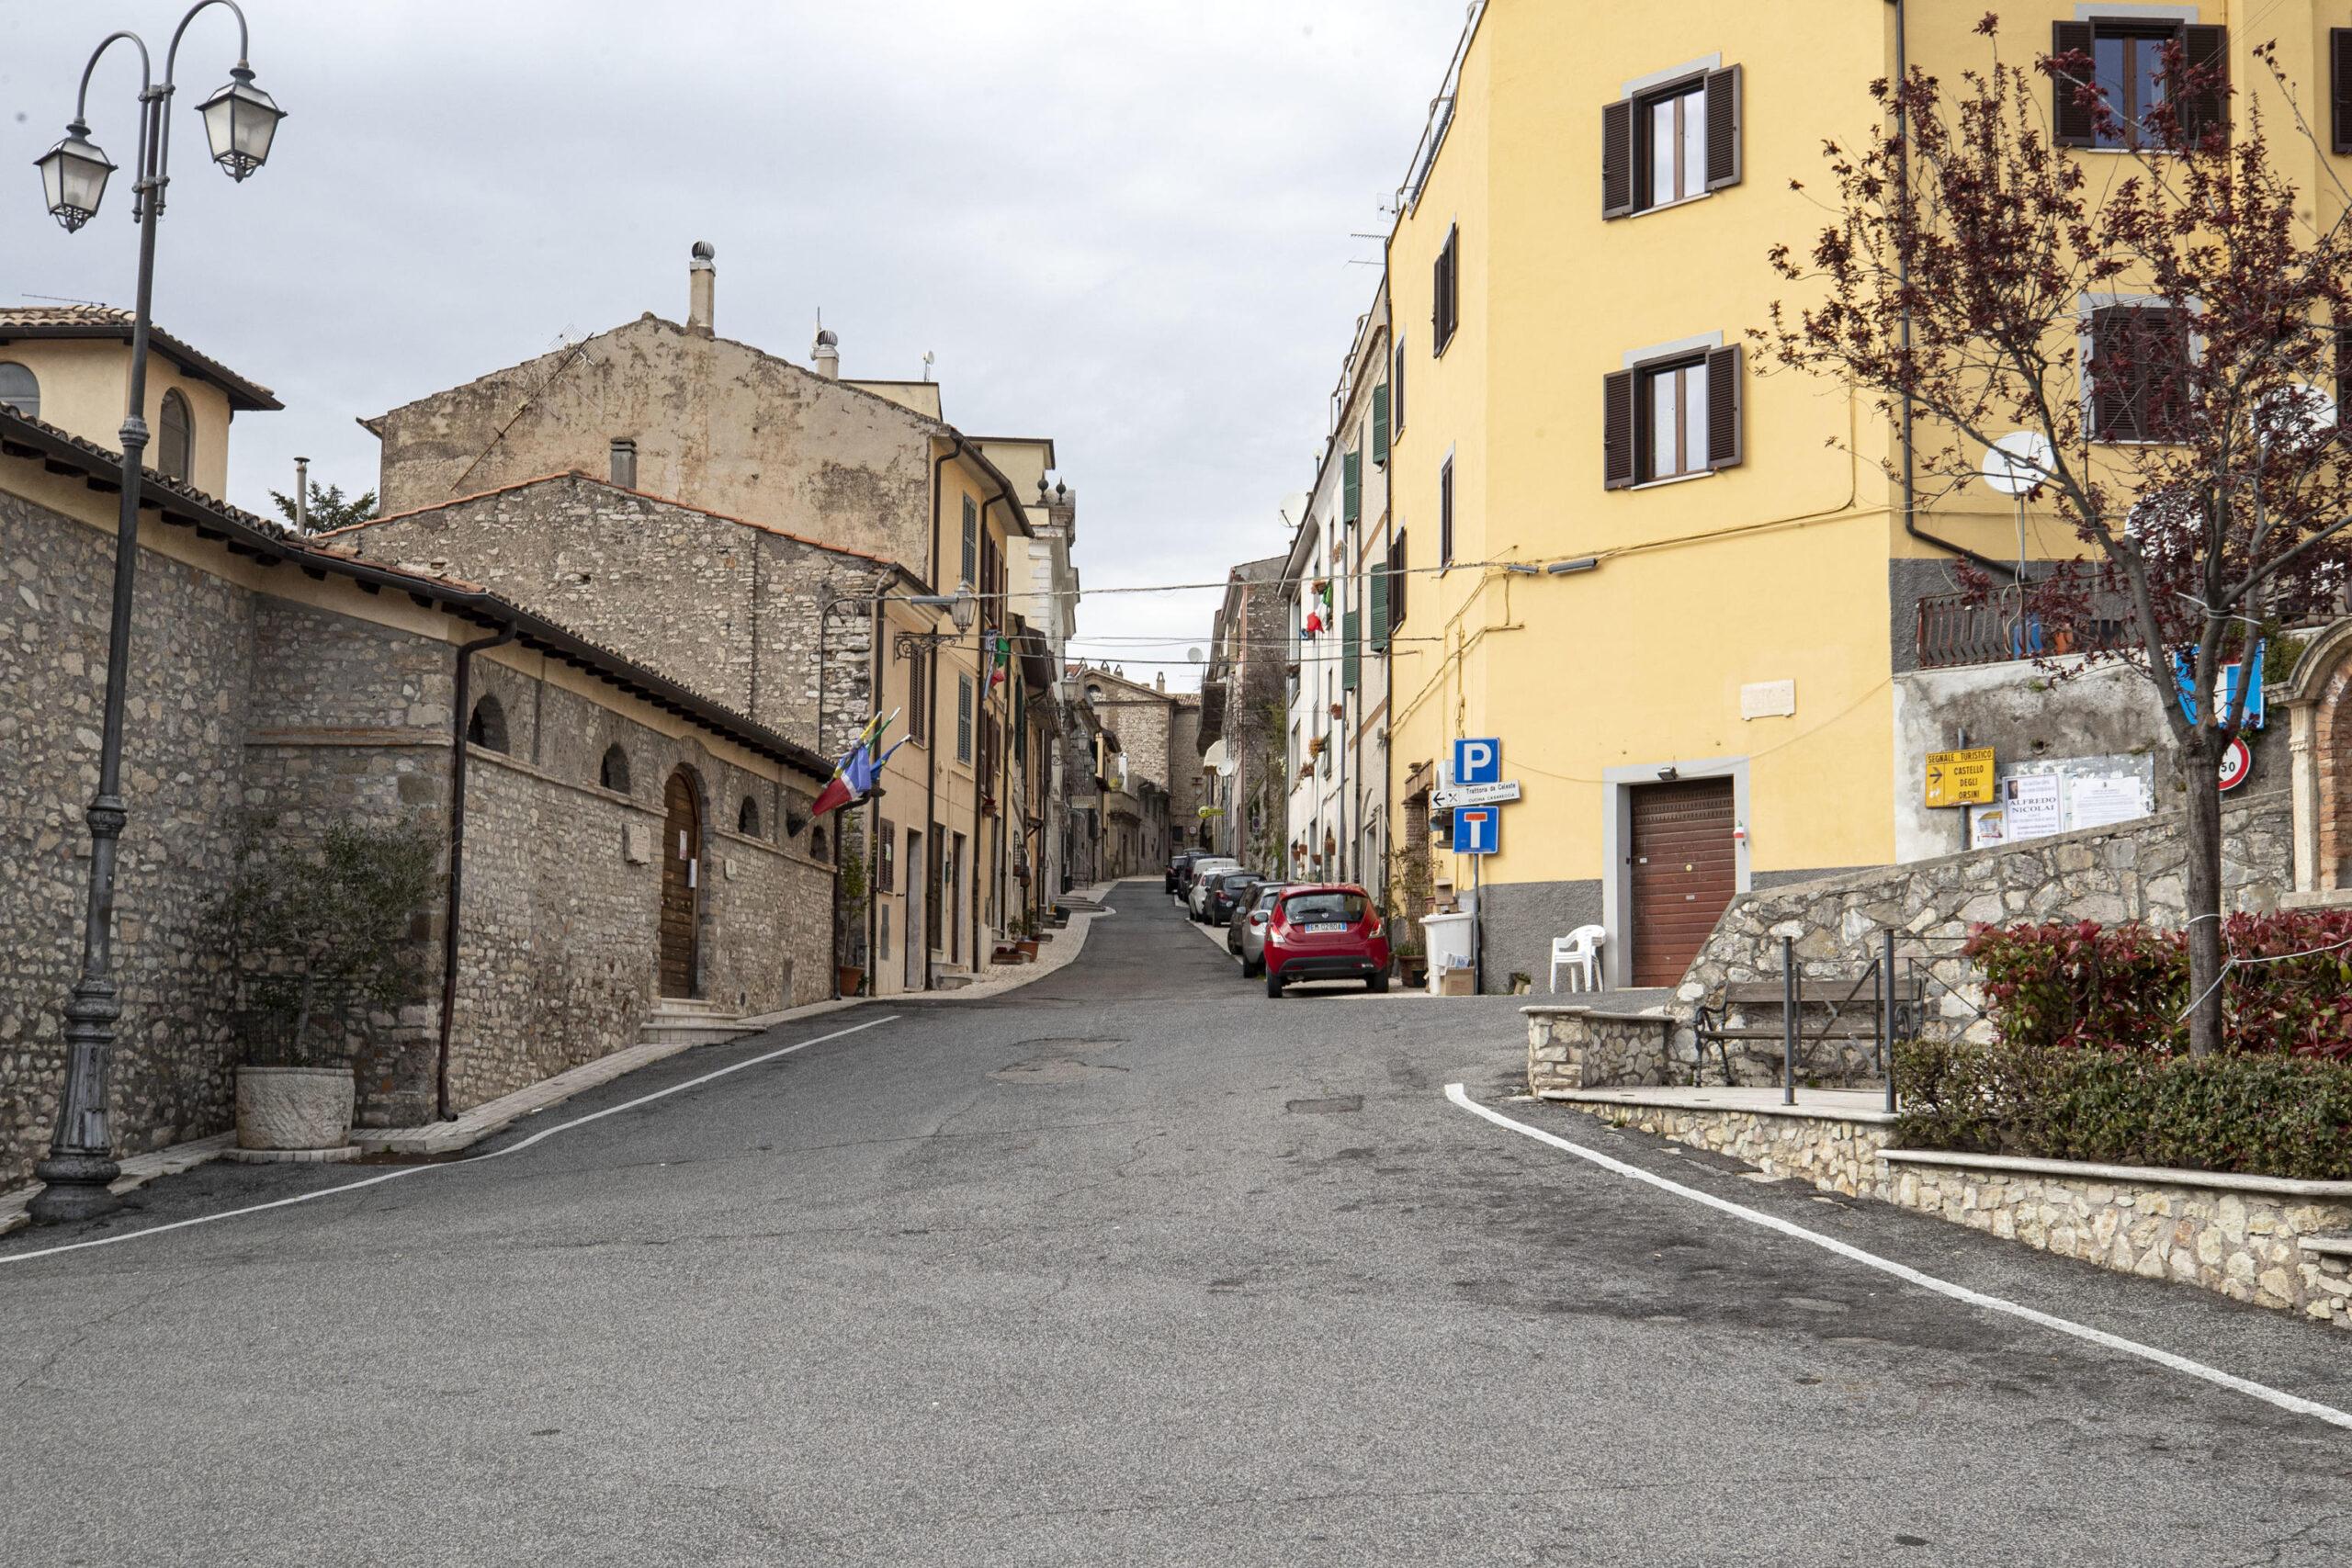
pixel 294 1109
pixel 1027 945
pixel 851 977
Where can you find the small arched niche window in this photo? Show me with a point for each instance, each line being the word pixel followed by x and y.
pixel 486 727
pixel 817 843
pixel 176 442
pixel 795 816
pixel 747 821
pixel 21 390
pixel 613 772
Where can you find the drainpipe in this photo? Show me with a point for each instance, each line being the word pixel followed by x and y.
pixel 874 808
pixel 456 862
pixel 934 852
pixel 980 711
pixel 1902 278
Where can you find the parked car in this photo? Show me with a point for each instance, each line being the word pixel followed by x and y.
pixel 1178 863
pixel 1234 899
pixel 1198 890
pixel 1225 888
pixel 1199 866
pixel 1250 927
pixel 1325 931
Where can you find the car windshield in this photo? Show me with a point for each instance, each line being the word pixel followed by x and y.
pixel 1324 908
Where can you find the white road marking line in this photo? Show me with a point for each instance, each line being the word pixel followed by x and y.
pixel 2100 1336
pixel 449 1165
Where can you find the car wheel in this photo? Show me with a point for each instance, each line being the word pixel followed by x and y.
pixel 1378 983
pixel 1251 971
pixel 1274 982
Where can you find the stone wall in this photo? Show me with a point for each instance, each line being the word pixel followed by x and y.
pixel 725 607
pixel 2130 872
pixel 1575 1047
pixel 1837 1154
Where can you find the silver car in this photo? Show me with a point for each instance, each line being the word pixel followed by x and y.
pixel 1253 929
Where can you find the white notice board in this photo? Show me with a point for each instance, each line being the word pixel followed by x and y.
pixel 2034 806
pixel 2098 800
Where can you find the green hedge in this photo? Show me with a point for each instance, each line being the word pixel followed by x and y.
pixel 2258 1115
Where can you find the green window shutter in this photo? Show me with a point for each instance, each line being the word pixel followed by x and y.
pixel 1350 649
pixel 1380 425
pixel 1377 592
pixel 1351 486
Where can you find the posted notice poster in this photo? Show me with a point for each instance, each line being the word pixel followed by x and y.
pixel 2034 806
pixel 2098 800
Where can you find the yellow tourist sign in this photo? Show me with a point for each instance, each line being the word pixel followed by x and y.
pixel 1961 778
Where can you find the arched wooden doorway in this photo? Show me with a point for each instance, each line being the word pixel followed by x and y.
pixel 680 877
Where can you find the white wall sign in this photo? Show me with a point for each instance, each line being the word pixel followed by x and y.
pixel 1768 699
pixel 2035 804
pixel 2098 800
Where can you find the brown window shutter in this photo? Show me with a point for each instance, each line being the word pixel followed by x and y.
pixel 2207 49
pixel 1617 158
pixel 1725 444
pixel 2070 119
pixel 1723 128
pixel 2339 87
pixel 1617 430
pixel 2114 379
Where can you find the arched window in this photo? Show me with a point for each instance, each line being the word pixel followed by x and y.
pixel 176 444
pixel 817 843
pixel 613 773
pixel 795 815
pixel 21 390
pixel 486 727
pixel 747 821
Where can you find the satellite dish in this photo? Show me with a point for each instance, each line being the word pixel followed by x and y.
pixel 1193 655
pixel 2017 462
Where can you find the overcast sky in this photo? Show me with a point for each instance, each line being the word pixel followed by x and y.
pixel 1124 225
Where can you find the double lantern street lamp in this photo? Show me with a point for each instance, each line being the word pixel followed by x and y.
pixel 239 121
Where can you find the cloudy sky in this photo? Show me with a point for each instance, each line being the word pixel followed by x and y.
pixel 1122 223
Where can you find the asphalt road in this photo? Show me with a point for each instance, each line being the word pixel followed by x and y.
pixel 1132 1266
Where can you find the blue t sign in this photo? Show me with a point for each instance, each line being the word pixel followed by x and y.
pixel 1478 829
pixel 1478 761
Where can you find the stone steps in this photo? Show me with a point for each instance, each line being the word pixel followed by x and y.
pixel 686 1020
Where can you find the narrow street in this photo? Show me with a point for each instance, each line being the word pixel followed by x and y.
pixel 1130 1266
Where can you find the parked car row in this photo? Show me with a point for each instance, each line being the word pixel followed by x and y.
pixel 1283 932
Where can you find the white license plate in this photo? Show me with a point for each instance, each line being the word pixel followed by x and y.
pixel 1326 929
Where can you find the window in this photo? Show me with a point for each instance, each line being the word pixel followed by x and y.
pixel 175 444
pixel 747 820
pixel 884 945
pixel 21 390
pixel 1445 514
pixel 486 726
pixel 613 772
pixel 886 867
pixel 1396 390
pixel 816 849
pixel 1671 142
pixel 2138 360
pixel 623 463
pixel 1397 576
pixel 1446 294
pixel 918 710
pixel 2339 99
pixel 1380 425
pixel 971 545
pixel 795 815
pixel 964 718
pixel 1351 486
pixel 2126 68
pixel 1671 416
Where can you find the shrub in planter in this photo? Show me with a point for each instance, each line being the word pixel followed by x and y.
pixel 2269 1114
pixel 319 941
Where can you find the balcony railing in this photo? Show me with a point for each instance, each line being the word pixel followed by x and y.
pixel 1952 632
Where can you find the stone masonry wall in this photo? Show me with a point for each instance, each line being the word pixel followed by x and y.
pixel 2132 871
pixel 191 654
pixel 1576 1048
pixel 1834 1155
pixel 725 607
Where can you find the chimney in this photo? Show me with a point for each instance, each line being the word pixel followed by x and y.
pixel 301 495
pixel 1160 680
pixel 700 277
pixel 828 355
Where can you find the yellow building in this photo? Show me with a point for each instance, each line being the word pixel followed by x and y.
pixel 1683 594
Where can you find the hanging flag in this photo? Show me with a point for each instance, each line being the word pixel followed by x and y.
pixel 999 658
pixel 1313 623
pixel 853 776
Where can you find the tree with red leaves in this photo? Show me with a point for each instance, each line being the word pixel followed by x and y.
pixel 2167 317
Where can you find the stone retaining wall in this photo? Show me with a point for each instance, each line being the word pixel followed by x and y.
pixel 1575 1047
pixel 1834 1155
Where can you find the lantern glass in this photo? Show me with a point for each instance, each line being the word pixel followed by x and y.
pixel 965 607
pixel 240 121
pixel 73 177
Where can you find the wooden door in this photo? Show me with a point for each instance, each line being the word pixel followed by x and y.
pixel 1685 870
pixel 681 878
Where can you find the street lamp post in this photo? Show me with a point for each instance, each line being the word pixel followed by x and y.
pixel 239 122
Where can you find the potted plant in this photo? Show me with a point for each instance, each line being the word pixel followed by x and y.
pixel 852 888
pixel 1408 900
pixel 322 943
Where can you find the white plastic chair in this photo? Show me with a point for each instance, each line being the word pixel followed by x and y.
pixel 1579 951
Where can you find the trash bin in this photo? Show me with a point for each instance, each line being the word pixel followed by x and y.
pixel 1447 939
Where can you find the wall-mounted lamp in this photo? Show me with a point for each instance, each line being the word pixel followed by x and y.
pixel 1582 563
pixel 1668 773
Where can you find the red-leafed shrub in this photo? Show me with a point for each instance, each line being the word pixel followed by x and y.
pixel 2287 990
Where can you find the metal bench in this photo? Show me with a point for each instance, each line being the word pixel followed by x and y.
pixel 1852 1016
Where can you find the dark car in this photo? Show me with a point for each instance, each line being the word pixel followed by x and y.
pixel 1178 863
pixel 1225 886
pixel 1239 894
pixel 1250 927
pixel 1326 931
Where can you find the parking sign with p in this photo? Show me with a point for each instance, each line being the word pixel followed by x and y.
pixel 1478 761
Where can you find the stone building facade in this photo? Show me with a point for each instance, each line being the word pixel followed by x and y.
pixel 278 687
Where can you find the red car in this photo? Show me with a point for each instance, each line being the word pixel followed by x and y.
pixel 1326 931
